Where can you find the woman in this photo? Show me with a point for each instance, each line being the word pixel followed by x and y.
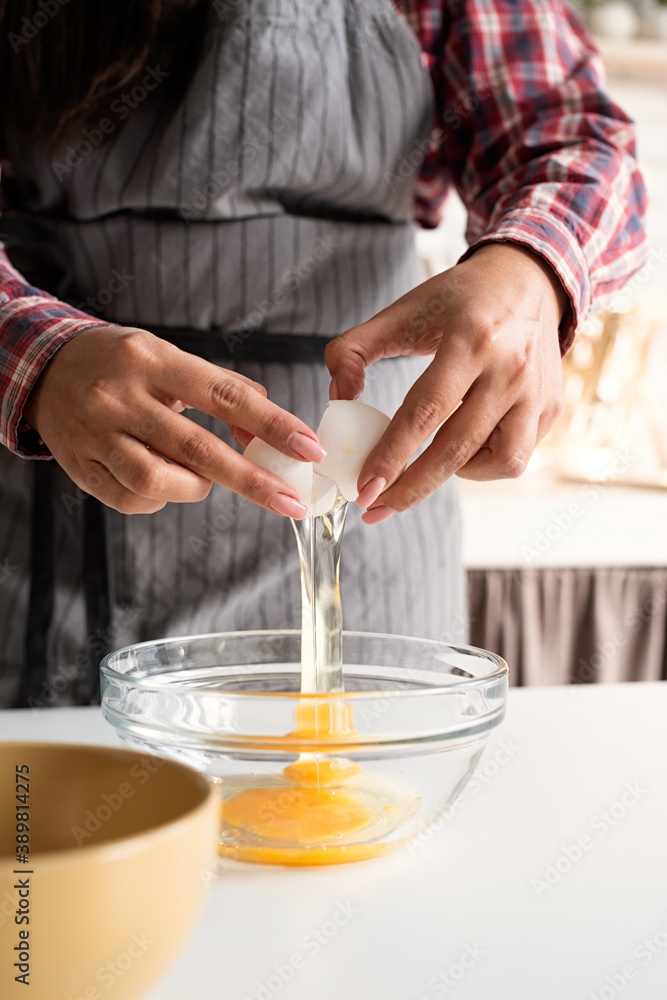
pixel 214 191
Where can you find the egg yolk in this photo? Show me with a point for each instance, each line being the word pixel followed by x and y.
pixel 307 856
pixel 321 719
pixel 300 815
pixel 313 814
pixel 321 773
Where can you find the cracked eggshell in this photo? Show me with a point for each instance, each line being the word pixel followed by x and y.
pixel 297 474
pixel 349 431
pixel 324 495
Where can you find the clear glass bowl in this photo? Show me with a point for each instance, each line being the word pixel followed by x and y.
pixel 312 779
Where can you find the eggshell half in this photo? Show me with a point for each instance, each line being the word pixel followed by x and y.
pixel 324 495
pixel 349 431
pixel 291 470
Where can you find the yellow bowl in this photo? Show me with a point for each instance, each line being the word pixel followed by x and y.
pixel 119 850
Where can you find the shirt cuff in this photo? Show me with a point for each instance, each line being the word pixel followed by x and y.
pixel 550 238
pixel 23 369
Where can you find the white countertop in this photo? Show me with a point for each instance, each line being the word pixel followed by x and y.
pixel 536 521
pixel 471 906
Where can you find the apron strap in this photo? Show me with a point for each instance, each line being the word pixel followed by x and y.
pixel 246 345
pixel 97 595
pixel 42 587
pixel 34 690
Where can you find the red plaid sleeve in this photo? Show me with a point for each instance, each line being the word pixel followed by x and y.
pixel 538 152
pixel 33 325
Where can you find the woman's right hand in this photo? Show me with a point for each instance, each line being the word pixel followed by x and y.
pixel 108 406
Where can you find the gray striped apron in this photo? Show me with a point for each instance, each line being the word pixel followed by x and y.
pixel 267 205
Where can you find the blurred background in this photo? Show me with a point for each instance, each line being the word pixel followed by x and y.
pixel 567 566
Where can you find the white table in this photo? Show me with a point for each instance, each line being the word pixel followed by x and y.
pixel 561 759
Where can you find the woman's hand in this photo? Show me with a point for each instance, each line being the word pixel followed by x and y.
pixel 108 408
pixel 492 391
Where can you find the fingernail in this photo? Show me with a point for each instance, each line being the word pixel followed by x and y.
pixel 305 447
pixel 333 390
pixel 287 506
pixel 377 515
pixel 371 491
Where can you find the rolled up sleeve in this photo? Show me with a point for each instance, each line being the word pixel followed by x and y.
pixel 33 326
pixel 539 153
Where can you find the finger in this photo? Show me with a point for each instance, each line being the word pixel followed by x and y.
pixel 428 403
pixel 174 404
pixel 144 472
pixel 257 386
pixel 550 412
pixel 411 325
pixel 188 445
pixel 243 437
pixel 507 451
pixel 96 479
pixel 348 356
pixel 234 399
pixel 459 438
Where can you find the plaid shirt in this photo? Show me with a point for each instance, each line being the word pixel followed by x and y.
pixel 525 133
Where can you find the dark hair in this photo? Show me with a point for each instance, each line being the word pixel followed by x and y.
pixel 62 61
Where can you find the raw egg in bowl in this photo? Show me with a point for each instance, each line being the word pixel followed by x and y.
pixel 311 779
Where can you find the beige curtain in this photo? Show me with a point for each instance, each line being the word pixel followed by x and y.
pixel 559 626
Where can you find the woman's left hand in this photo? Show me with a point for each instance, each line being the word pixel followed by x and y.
pixel 492 391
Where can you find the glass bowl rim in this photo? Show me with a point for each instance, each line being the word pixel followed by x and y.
pixel 499 672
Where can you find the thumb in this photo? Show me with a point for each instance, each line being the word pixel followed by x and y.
pixel 348 356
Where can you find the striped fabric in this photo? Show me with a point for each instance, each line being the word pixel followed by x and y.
pixel 279 194
pixel 523 129
pixel 312 233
